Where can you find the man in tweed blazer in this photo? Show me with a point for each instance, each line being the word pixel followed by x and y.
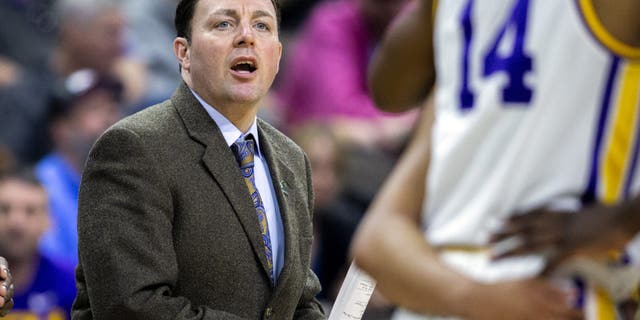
pixel 167 228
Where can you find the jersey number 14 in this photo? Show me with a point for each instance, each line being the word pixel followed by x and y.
pixel 515 65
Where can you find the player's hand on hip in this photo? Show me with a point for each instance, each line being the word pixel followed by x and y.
pixel 525 299
pixel 560 235
pixel 6 288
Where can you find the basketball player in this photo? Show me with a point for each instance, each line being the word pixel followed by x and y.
pixel 536 107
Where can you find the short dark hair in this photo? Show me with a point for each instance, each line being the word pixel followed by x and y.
pixel 21 173
pixel 186 9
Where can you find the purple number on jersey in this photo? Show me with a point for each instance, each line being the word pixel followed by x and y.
pixel 515 65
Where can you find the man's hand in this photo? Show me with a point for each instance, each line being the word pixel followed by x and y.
pixel 520 299
pixel 9 72
pixel 6 288
pixel 594 232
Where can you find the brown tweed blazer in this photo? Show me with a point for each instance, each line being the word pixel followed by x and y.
pixel 167 229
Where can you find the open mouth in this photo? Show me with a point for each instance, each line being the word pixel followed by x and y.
pixel 244 67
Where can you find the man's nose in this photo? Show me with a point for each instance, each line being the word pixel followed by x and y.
pixel 15 217
pixel 245 36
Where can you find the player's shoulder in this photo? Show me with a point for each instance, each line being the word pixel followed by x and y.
pixel 614 24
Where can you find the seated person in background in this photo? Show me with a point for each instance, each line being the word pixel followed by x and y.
pixel 89 35
pixel 44 290
pixel 83 106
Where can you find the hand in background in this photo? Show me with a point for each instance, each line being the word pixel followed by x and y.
pixel 6 288
pixel 9 72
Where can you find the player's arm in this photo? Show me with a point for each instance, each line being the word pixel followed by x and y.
pixel 402 70
pixel 389 245
pixel 620 24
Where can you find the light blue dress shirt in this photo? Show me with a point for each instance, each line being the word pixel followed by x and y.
pixel 263 181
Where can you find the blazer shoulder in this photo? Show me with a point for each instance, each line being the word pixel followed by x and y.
pixel 157 120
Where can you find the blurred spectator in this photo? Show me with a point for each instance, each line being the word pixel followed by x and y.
pixel 23 113
pixel 339 206
pixel 294 12
pixel 324 154
pixel 43 290
pixel 324 76
pixel 90 35
pixel 150 39
pixel 323 84
pixel 6 159
pixel 83 106
pixel 27 32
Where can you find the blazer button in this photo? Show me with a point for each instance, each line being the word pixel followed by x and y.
pixel 268 313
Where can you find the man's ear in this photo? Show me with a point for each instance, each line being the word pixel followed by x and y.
pixel 279 56
pixel 181 50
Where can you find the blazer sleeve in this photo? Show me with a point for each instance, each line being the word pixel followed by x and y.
pixel 126 249
pixel 308 307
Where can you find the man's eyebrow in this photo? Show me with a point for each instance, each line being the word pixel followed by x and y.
pixel 262 13
pixel 227 12
pixel 234 14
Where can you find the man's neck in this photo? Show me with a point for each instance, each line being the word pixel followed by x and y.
pixel 241 115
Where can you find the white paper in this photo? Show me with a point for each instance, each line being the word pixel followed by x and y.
pixel 354 295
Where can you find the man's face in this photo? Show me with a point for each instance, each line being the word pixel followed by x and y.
pixel 23 218
pixel 97 42
pixel 234 52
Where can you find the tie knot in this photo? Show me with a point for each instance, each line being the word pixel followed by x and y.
pixel 244 149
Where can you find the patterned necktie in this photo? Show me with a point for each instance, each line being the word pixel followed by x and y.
pixel 244 149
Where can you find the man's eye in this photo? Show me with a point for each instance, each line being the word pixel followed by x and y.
pixel 262 26
pixel 223 25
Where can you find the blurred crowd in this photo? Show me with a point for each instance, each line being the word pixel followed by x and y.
pixel 69 69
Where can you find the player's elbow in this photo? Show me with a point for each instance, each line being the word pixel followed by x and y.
pixel 363 246
pixel 387 105
pixel 387 99
pixel 391 98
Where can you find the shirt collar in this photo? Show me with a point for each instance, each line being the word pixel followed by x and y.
pixel 230 132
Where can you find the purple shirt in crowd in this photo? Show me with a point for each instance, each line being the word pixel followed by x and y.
pixel 325 73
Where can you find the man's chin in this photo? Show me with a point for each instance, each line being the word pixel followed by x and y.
pixel 246 97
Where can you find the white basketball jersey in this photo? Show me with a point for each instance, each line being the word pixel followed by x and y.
pixel 532 109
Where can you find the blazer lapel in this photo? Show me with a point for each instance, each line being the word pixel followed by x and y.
pixel 219 160
pixel 282 178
